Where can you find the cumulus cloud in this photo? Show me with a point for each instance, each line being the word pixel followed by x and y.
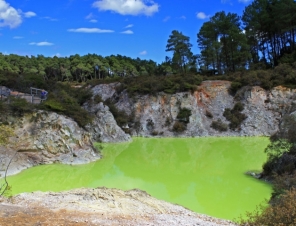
pixel 29 14
pixel 244 1
pixel 90 30
pixel 41 43
pixel 143 52
pixel 128 32
pixel 93 21
pixel 183 17
pixel 129 26
pixel 201 15
pixel 128 7
pixel 18 37
pixel 9 16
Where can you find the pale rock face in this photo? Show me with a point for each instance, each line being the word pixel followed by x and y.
pixel 45 137
pixel 264 109
pixel 104 127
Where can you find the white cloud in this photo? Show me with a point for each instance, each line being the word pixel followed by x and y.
pixel 93 21
pixel 128 7
pixel 143 52
pixel 201 15
pixel 50 18
pixel 9 16
pixel 128 32
pixel 89 16
pixel 166 19
pixel 129 26
pixel 244 1
pixel 90 30
pixel 183 17
pixel 18 37
pixel 29 14
pixel 41 43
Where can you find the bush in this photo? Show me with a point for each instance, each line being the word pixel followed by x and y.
pixel 6 132
pixel 209 114
pixel 234 116
pixel 179 127
pixel 219 125
pixel 184 115
pixel 150 124
pixel 67 100
pixel 167 121
pixel 19 106
pixel 168 84
pixel 281 212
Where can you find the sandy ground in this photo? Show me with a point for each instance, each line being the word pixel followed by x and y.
pixel 100 206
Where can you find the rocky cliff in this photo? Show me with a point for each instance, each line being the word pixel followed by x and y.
pixel 155 115
pixel 44 138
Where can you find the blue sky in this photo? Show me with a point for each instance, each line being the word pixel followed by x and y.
pixel 133 28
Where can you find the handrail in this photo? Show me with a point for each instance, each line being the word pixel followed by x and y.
pixel 35 95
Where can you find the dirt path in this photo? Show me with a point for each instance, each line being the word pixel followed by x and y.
pixel 99 206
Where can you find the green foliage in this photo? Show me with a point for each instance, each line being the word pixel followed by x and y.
pixel 98 99
pixel 219 125
pixel 277 148
pixel 54 105
pixel 182 56
pixel 223 45
pixel 67 100
pixel 234 116
pixel 19 106
pixel 169 84
pixel 184 115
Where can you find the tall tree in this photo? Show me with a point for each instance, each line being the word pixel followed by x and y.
pixel 223 43
pixel 181 47
pixel 271 29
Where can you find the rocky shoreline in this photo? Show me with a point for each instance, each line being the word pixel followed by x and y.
pixel 99 206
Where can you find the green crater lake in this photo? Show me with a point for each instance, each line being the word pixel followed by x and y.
pixel 206 175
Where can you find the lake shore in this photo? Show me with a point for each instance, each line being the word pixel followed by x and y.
pixel 100 206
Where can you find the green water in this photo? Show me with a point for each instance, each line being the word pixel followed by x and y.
pixel 205 175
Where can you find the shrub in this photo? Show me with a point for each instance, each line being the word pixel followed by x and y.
pixel 167 121
pixel 19 106
pixel 281 212
pixel 98 99
pixel 154 133
pixel 184 114
pixel 234 116
pixel 6 132
pixel 219 125
pixel 209 114
pixel 150 124
pixel 179 127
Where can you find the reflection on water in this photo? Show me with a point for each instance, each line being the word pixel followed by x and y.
pixel 202 174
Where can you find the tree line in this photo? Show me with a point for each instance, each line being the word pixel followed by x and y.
pixel 262 38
